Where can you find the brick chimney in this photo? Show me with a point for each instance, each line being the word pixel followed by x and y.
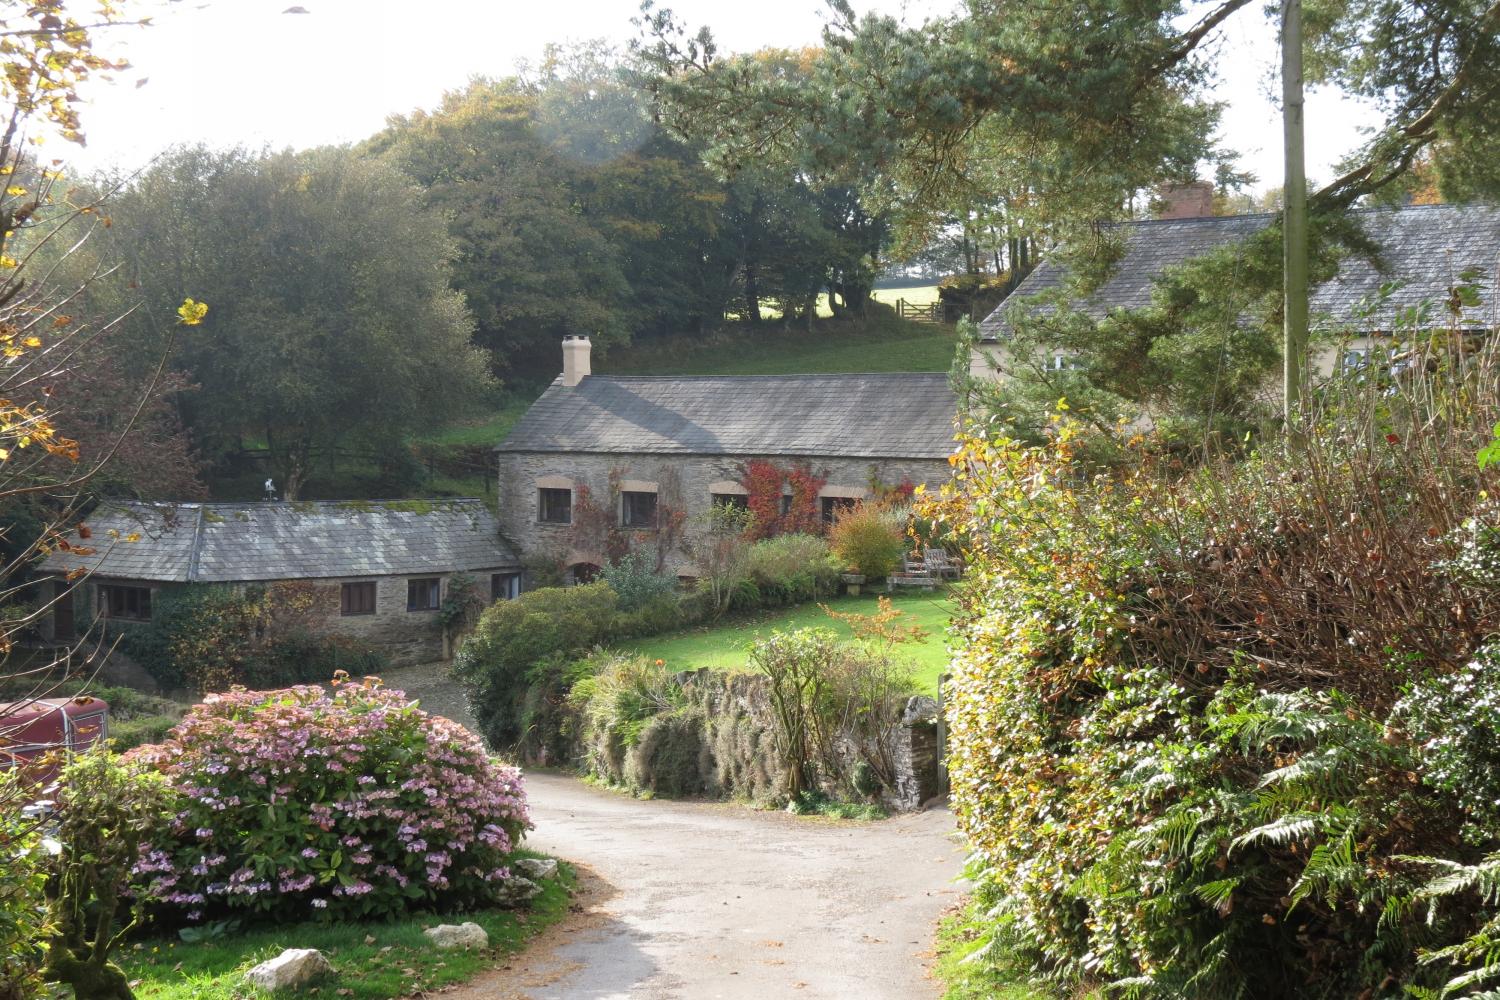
pixel 1193 200
pixel 576 350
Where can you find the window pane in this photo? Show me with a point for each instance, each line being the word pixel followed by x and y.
pixel 358 598
pixel 555 506
pixel 638 510
pixel 132 603
pixel 832 506
pixel 424 594
pixel 505 586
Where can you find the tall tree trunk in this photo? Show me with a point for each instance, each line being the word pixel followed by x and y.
pixel 291 461
pixel 1294 215
pixel 752 293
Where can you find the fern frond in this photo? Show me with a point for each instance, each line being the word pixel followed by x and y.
pixel 1280 832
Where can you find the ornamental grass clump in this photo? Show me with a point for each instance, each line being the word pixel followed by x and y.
pixel 350 805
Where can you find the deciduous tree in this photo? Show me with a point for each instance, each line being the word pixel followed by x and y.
pixel 333 319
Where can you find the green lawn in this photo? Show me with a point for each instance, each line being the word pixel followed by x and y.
pixel 884 345
pixel 487 430
pixel 921 295
pixel 723 646
pixel 370 961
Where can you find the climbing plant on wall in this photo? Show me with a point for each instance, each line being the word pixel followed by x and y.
pixel 768 487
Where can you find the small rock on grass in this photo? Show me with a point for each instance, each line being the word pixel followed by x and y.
pixel 293 967
pixel 465 935
pixel 536 869
pixel 517 890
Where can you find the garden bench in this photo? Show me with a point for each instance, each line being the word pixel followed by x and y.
pixel 913 574
pixel 941 565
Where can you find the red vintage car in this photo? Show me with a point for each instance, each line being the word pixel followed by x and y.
pixel 33 729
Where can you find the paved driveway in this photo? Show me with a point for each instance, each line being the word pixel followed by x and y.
pixel 702 900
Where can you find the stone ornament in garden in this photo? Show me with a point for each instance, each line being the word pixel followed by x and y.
pixel 293 967
pixel 465 935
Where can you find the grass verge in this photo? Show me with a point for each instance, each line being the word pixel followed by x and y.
pixel 371 961
pixel 724 645
pixel 967 975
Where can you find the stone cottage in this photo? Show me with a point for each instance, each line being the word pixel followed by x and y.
pixel 647 457
pixel 383 568
pixel 1423 249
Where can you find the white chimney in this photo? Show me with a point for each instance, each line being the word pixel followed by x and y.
pixel 575 359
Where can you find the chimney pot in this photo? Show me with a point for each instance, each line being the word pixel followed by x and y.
pixel 576 350
pixel 1193 200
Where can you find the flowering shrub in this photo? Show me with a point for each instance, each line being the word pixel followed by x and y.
pixel 353 805
pixel 1455 718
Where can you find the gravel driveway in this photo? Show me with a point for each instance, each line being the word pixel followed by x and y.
pixel 698 900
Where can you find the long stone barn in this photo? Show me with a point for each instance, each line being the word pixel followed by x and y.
pixel 380 569
pixel 637 457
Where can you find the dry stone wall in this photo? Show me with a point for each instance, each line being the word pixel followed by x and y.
pixel 722 745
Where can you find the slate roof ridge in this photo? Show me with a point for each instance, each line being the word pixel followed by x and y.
pixel 1402 232
pixel 1194 219
pixel 788 375
pixel 355 505
pixel 271 540
pixel 1362 210
pixel 830 414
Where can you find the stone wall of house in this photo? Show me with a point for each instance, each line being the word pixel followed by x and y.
pixel 683 483
pixel 407 637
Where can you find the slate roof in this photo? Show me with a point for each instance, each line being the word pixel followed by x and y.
pixel 1416 242
pixel 287 540
pixel 855 416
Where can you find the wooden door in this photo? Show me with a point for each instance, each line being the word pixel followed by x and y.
pixel 62 610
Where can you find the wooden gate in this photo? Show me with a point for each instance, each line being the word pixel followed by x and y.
pixel 926 312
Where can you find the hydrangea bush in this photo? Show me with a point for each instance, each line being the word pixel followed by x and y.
pixel 353 804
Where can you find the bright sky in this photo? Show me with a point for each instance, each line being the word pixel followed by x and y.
pixel 242 72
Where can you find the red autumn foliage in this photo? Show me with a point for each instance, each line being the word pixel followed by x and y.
pixel 767 484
